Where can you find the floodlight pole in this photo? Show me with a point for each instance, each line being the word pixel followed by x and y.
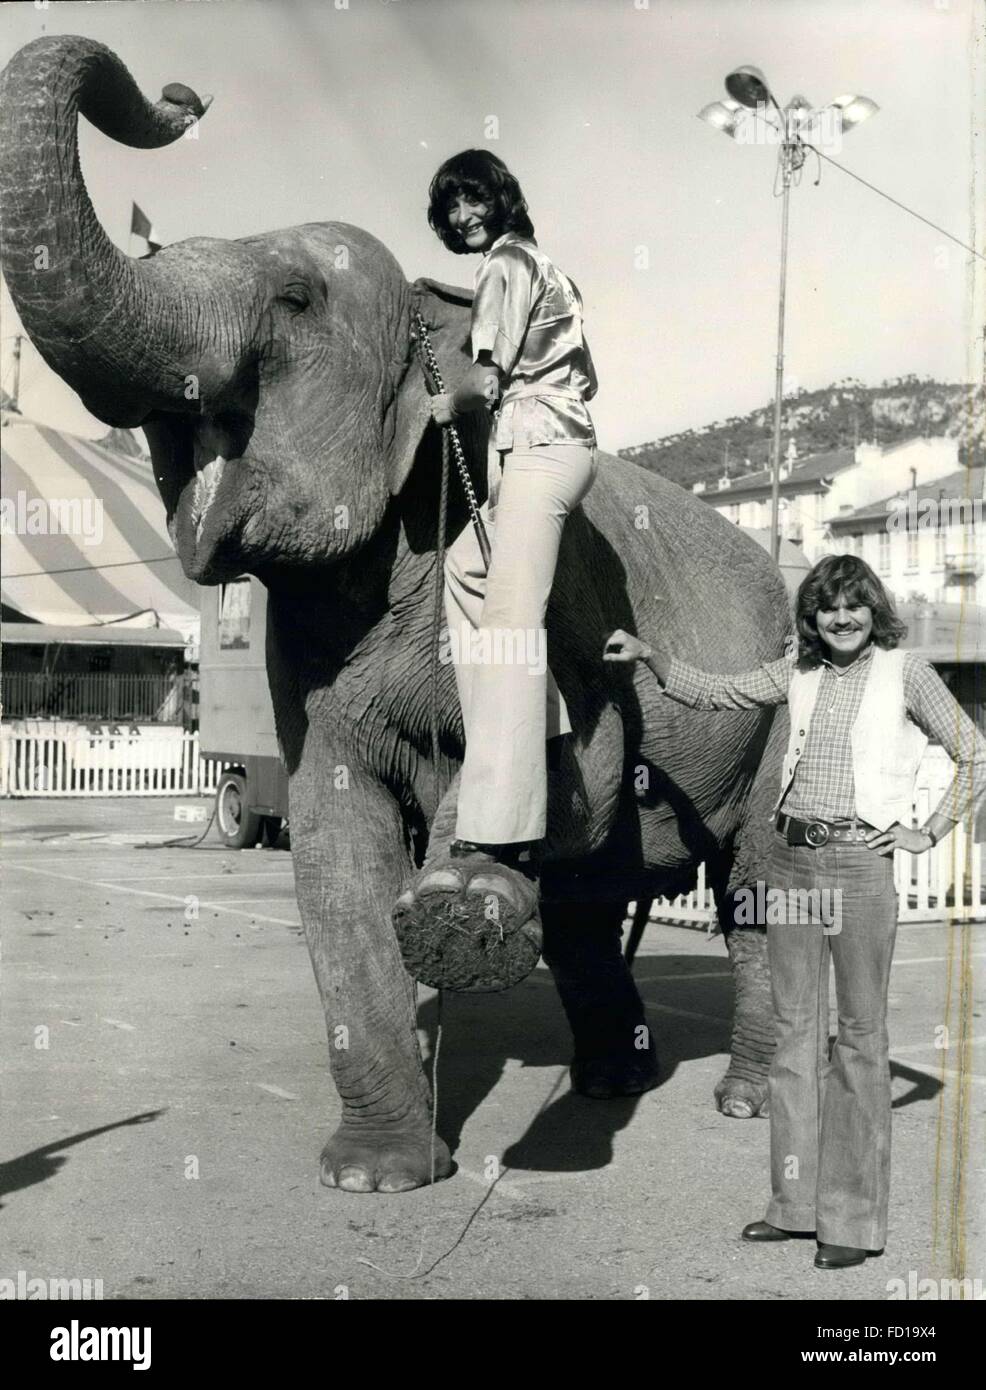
pixel 747 86
pixel 787 166
pixel 16 395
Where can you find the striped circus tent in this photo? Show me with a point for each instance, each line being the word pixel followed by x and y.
pixel 84 536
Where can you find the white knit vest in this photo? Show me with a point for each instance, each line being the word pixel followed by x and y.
pixel 886 746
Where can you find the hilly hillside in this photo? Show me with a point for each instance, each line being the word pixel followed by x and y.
pixel 835 417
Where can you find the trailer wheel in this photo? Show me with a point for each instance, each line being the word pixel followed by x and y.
pixel 239 827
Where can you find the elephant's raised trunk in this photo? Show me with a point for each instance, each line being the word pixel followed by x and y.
pixel 95 315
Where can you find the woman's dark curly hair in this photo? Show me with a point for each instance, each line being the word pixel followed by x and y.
pixel 852 577
pixel 481 175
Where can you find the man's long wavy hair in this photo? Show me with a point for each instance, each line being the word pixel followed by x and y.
pixel 852 577
pixel 481 175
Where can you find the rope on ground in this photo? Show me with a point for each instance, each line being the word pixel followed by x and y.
pixel 418 1272
pixel 181 840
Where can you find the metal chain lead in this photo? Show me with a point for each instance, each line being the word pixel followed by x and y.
pixel 434 371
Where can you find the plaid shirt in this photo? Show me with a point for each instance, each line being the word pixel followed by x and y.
pixel 823 781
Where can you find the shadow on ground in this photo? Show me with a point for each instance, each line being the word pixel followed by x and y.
pixel 41 1164
pixel 483 1034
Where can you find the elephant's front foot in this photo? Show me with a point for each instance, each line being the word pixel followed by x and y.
pixel 362 1159
pixel 469 924
pixel 742 1099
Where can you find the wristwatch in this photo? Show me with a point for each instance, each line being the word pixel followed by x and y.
pixel 925 830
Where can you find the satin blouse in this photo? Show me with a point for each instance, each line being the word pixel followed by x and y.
pixel 528 315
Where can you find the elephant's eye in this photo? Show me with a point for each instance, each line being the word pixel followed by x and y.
pixel 296 297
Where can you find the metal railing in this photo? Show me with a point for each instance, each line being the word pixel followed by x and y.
pixel 154 698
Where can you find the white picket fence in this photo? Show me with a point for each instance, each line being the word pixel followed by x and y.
pixel 84 763
pixel 947 882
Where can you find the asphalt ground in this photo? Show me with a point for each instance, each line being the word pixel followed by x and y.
pixel 166 1094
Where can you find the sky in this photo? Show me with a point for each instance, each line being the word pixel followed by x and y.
pixel 328 110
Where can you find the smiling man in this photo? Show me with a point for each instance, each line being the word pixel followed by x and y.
pixel 861 714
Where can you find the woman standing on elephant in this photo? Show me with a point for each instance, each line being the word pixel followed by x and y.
pixel 529 352
pixel 861 715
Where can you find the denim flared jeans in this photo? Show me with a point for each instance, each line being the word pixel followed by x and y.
pixel 510 701
pixel 830 1118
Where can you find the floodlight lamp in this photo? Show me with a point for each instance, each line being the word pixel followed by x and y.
pixel 748 86
pixel 799 110
pixel 724 115
pixel 853 109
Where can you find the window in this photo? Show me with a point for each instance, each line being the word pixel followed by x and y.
pixel 884 560
pixel 940 539
pixel 234 615
pixel 913 537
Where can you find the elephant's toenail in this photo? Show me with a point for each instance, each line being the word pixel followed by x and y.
pixel 481 884
pixel 355 1180
pixel 737 1109
pixel 533 933
pixel 441 881
pixel 398 1182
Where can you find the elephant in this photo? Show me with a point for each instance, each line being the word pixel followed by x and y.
pixel 277 381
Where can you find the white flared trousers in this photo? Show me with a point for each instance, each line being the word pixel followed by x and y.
pixel 510 701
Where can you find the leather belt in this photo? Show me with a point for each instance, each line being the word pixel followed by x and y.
pixel 818 832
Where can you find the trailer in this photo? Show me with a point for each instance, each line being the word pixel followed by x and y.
pixel 236 718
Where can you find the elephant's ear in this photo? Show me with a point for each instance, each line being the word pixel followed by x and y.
pixel 446 312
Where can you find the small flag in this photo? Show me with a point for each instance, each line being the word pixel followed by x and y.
pixel 140 225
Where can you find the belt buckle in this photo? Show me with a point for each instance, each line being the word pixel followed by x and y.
pixel 816 834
